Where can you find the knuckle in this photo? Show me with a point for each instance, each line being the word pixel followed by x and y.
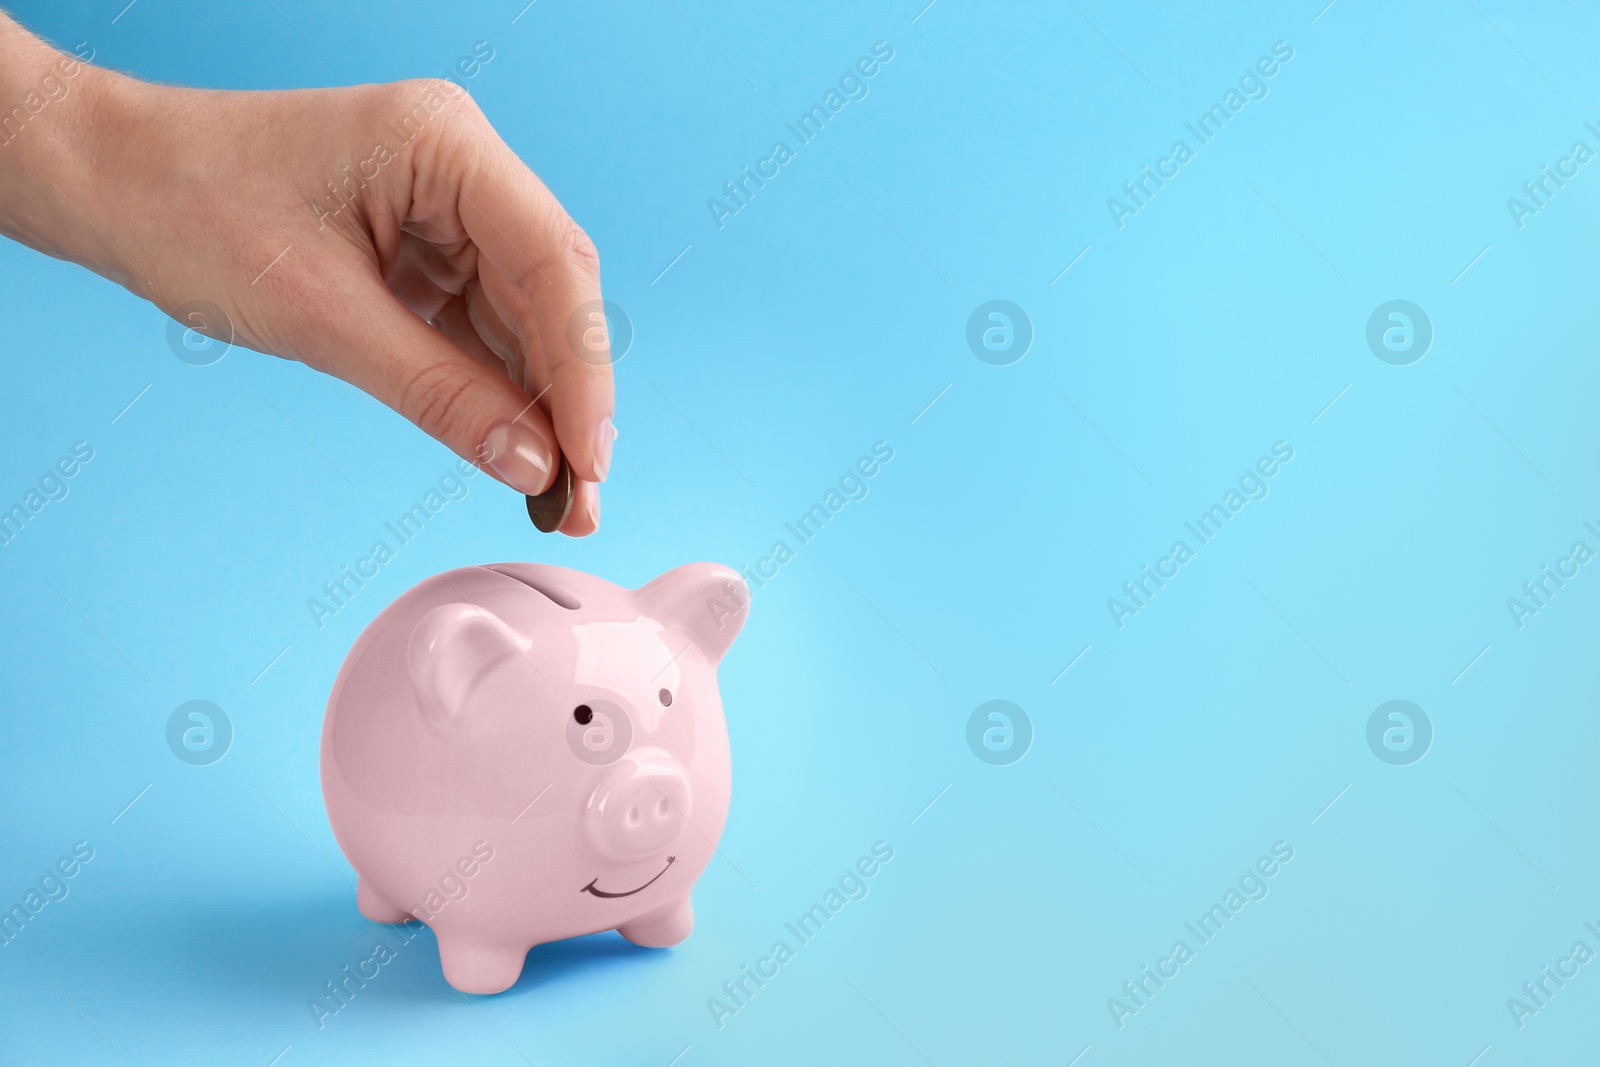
pixel 568 251
pixel 416 104
pixel 575 245
pixel 456 101
pixel 445 93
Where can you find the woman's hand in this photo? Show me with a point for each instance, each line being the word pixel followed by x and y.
pixel 383 234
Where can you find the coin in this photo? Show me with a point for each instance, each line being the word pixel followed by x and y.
pixel 550 508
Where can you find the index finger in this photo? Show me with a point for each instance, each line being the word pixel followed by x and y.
pixel 526 235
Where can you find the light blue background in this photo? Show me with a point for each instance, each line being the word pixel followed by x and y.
pixel 1224 317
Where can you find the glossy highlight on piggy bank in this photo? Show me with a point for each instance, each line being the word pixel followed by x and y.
pixel 518 753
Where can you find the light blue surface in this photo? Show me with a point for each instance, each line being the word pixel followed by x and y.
pixel 1228 314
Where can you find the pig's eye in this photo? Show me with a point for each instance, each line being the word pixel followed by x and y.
pixel 666 698
pixel 584 714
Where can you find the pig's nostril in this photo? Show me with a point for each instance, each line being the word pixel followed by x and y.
pixel 662 807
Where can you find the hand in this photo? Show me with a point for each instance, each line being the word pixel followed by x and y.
pixel 383 234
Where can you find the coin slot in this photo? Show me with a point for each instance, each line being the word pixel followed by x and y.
pixel 557 596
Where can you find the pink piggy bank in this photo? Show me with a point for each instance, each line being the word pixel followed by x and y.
pixel 519 753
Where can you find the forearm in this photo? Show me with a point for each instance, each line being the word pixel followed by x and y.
pixel 53 105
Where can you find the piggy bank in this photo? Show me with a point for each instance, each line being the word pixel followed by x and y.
pixel 518 753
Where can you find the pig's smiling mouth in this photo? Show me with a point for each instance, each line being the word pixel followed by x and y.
pixel 590 888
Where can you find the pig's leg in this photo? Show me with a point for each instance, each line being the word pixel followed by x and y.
pixel 475 964
pixel 667 925
pixel 375 907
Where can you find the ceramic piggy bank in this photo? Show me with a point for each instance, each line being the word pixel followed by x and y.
pixel 519 753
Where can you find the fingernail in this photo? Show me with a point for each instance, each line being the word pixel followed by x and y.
pixel 604 434
pixel 519 456
pixel 594 508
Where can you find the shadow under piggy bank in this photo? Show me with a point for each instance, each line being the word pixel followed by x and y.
pixel 310 951
pixel 592 955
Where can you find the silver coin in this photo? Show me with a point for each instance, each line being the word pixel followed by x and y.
pixel 550 508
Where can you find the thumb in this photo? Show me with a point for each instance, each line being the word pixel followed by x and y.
pixel 383 348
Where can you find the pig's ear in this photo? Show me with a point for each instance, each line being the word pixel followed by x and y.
pixel 450 651
pixel 707 601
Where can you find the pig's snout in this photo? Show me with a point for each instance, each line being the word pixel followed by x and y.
pixel 640 807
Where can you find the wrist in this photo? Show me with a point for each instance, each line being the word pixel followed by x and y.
pixel 56 111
